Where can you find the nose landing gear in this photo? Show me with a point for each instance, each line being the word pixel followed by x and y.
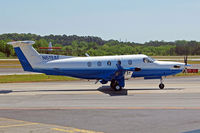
pixel 161 85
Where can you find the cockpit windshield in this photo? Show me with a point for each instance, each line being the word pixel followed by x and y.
pixel 148 60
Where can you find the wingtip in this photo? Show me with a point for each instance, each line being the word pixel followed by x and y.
pixel 17 43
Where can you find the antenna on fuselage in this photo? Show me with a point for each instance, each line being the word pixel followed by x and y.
pixel 186 60
pixel 186 63
pixel 86 54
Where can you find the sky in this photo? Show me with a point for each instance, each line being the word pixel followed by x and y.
pixel 126 20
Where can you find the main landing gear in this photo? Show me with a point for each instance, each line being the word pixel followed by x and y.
pixel 161 85
pixel 115 85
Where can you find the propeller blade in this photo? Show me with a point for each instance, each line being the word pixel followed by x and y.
pixel 186 62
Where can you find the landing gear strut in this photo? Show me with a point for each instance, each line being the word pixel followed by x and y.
pixel 115 85
pixel 161 85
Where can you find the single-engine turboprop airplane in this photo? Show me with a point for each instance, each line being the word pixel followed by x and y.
pixel 102 68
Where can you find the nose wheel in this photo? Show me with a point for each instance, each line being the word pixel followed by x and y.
pixel 161 85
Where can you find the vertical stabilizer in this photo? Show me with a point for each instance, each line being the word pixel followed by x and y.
pixel 27 55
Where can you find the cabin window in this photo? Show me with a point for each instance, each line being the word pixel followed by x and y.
pixel 119 62
pixel 130 62
pixel 99 63
pixel 89 64
pixel 109 63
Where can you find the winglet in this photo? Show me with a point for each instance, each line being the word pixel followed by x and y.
pixel 86 54
pixel 21 43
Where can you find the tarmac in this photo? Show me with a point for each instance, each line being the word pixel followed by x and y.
pixel 13 71
pixel 85 107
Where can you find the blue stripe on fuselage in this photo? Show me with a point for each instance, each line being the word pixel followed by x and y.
pixel 106 73
pixel 80 73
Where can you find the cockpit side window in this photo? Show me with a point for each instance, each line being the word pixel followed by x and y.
pixel 145 60
pixel 148 60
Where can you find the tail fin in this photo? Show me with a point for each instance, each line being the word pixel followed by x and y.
pixel 27 55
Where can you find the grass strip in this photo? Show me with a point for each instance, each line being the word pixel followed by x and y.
pixel 47 78
pixel 175 57
pixel 188 74
pixel 189 62
pixel 33 78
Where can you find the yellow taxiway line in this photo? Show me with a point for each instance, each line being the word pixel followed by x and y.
pixel 47 126
pixel 18 125
pixel 75 130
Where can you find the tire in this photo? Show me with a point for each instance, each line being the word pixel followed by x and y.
pixel 117 87
pixel 161 86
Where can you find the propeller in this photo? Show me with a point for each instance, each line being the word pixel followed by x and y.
pixel 186 60
pixel 186 63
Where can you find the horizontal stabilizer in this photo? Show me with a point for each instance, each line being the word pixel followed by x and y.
pixel 28 56
pixel 21 43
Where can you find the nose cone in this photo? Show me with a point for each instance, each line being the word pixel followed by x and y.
pixel 170 68
pixel 178 65
pixel 183 65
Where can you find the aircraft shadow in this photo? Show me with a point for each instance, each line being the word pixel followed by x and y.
pixel 111 92
pixel 124 92
pixel 103 89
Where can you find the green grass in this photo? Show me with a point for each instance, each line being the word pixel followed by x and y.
pixel 33 78
pixel 175 57
pixel 193 62
pixel 188 74
pixel 156 57
pixel 11 57
pixel 46 78
pixel 189 62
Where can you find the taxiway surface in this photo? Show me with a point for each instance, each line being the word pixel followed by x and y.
pixel 82 106
pixel 12 71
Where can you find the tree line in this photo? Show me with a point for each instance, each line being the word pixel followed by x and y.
pixel 79 45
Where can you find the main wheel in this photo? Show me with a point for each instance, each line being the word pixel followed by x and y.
pixel 117 87
pixel 161 86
